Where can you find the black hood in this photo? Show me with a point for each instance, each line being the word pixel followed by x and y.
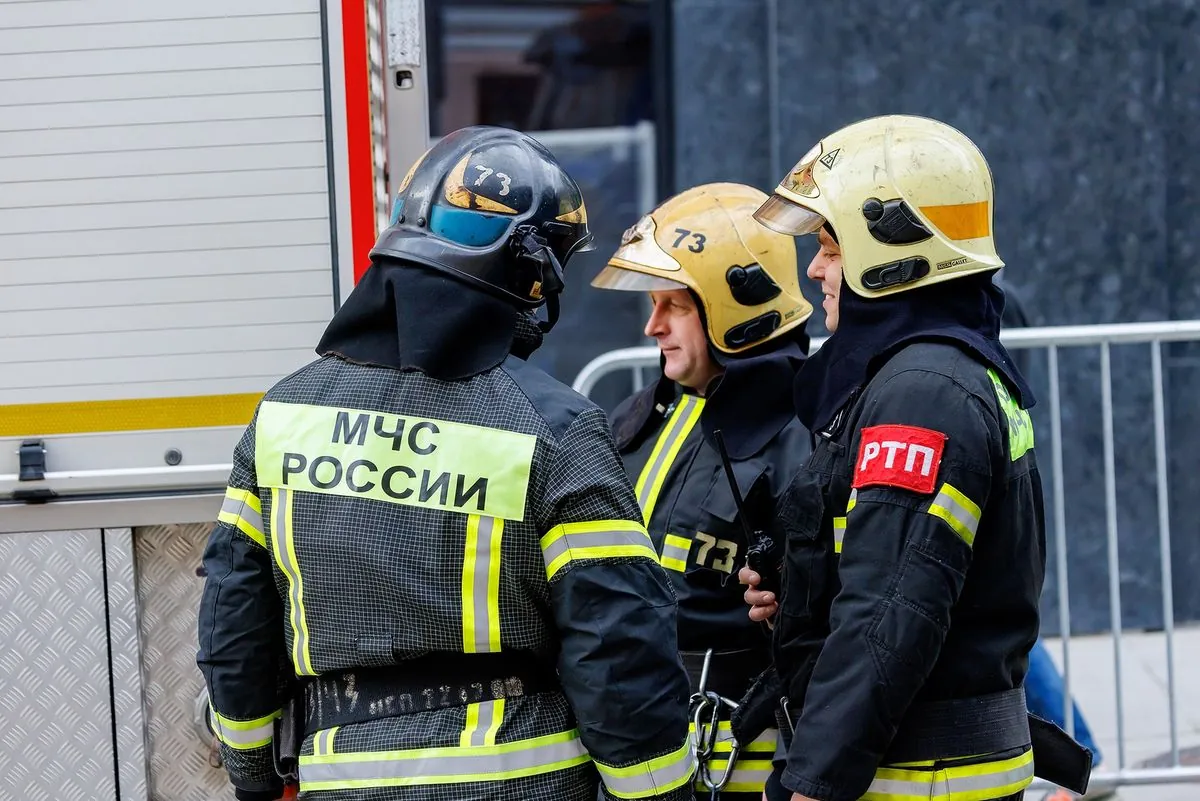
pixel 751 401
pixel 965 311
pixel 406 317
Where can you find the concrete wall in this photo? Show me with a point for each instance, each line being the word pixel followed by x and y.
pixel 1087 111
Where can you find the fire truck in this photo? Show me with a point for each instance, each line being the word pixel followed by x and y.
pixel 186 193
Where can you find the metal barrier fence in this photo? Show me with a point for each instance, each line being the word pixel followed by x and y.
pixel 1053 340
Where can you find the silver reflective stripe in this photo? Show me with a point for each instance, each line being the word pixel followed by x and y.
pixel 441 765
pixel 839 533
pixel 653 777
pixel 756 776
pixel 649 483
pixel 946 782
pixel 959 512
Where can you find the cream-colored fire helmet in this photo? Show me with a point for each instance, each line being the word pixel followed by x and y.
pixel 909 200
pixel 706 240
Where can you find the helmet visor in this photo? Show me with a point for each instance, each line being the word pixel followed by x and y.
pixel 788 217
pixel 613 277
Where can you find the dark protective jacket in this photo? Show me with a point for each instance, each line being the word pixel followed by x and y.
pixel 473 540
pixel 915 557
pixel 666 438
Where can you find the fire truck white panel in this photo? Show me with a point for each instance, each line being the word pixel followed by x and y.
pixel 165 230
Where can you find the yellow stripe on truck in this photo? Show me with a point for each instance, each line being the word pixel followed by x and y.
pixel 135 414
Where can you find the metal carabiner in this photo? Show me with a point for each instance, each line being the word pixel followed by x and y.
pixel 707 740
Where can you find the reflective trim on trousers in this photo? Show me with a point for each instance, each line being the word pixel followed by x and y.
pixel 444 765
pixel 977 782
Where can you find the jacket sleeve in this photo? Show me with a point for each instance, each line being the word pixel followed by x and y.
pixel 241 641
pixel 615 613
pixel 921 474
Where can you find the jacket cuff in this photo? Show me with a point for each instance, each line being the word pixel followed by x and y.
pixel 804 786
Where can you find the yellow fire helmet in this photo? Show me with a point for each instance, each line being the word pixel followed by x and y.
pixel 705 239
pixel 909 200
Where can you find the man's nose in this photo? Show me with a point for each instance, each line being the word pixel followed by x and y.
pixel 816 269
pixel 654 325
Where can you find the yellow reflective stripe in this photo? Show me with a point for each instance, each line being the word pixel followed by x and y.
pixel 481 585
pixel 242 735
pixel 242 510
pixel 679 425
pixel 323 741
pixel 445 765
pixel 428 463
pixel 283 541
pixel 482 723
pixel 839 523
pixel 652 777
pixel 839 533
pixel 675 552
pixel 597 539
pixel 979 782
pixel 959 512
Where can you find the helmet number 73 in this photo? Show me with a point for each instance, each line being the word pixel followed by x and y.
pixel 484 172
pixel 696 246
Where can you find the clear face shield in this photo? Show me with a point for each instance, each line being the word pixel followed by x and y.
pixel 621 278
pixel 788 217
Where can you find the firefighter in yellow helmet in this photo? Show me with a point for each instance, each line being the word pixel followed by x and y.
pixel 910 596
pixel 430 560
pixel 728 317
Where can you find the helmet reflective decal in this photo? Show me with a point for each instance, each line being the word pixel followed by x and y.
pixel 577 215
pixel 960 220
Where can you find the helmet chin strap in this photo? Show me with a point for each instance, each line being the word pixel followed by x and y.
pixel 535 247
pixel 551 315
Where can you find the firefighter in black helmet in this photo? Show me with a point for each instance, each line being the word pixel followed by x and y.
pixel 916 541
pixel 432 544
pixel 728 317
